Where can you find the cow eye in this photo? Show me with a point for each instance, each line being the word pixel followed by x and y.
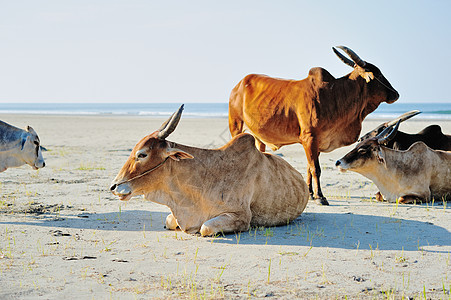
pixel 142 155
pixel 362 151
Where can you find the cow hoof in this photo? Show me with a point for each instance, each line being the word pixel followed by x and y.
pixel 379 197
pixel 321 201
pixel 206 231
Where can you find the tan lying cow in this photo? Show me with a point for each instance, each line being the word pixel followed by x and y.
pixel 417 174
pixel 210 191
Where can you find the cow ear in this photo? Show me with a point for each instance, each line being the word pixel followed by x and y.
pixel 368 76
pixel 31 130
pixel 381 157
pixel 177 154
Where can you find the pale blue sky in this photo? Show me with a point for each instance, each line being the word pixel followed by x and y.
pixel 196 51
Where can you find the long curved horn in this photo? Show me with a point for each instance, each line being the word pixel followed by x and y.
pixel 404 117
pixel 344 58
pixel 169 126
pixel 382 139
pixel 358 61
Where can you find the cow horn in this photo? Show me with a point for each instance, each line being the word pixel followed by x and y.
pixel 344 58
pixel 169 126
pixel 358 61
pixel 382 139
pixel 404 117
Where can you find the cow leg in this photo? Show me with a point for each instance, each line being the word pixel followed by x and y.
pixel 314 171
pixel 319 197
pixel 379 197
pixel 260 145
pixel 226 222
pixel 309 183
pixel 171 222
pixel 411 199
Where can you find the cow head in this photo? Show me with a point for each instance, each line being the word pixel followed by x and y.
pixel 381 127
pixel 30 149
pixel 145 168
pixel 378 85
pixel 368 152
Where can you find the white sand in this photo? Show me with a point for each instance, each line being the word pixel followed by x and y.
pixel 63 234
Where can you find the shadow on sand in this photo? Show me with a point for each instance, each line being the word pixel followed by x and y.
pixel 129 220
pixel 349 231
pixel 332 230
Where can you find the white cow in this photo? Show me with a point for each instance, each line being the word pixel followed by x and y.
pixel 19 147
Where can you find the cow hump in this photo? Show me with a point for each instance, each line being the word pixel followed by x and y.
pixel 432 130
pixel 319 74
pixel 241 142
pixel 418 148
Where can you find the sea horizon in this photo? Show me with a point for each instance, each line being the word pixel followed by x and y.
pixel 439 110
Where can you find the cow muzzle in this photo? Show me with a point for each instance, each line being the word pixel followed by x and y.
pixel 341 165
pixel 39 161
pixel 38 165
pixel 123 191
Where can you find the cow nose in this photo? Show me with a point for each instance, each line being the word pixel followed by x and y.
pixel 337 163
pixel 113 187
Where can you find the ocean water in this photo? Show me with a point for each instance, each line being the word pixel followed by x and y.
pixel 200 110
pixel 428 110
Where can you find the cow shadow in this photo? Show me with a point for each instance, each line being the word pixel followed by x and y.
pixel 127 220
pixel 347 231
pixel 311 229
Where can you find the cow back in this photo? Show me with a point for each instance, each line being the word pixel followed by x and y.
pixel 9 136
pixel 278 192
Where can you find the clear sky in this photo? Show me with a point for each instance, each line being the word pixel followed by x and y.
pixel 196 51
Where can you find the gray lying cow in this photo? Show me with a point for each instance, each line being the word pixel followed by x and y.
pixel 432 135
pixel 19 147
pixel 417 174
pixel 210 191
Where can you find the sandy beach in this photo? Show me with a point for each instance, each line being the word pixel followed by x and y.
pixel 64 235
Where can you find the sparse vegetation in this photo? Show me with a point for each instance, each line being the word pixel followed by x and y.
pixel 89 167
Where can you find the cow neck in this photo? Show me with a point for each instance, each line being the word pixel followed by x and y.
pixel 356 97
pixel 9 160
pixel 356 106
pixel 16 146
pixel 369 108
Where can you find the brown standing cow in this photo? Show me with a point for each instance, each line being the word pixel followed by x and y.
pixel 320 112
